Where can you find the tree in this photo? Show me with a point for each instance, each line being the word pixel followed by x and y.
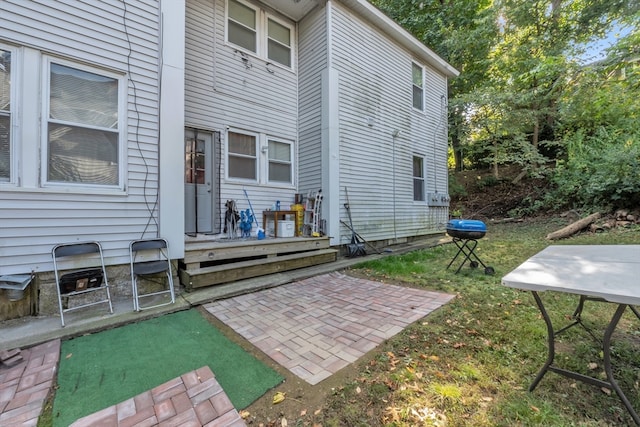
pixel 462 32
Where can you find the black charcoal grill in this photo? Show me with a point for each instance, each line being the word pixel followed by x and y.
pixel 465 234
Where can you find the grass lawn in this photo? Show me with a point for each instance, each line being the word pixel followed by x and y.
pixel 471 362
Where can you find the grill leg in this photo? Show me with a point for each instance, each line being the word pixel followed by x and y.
pixel 467 247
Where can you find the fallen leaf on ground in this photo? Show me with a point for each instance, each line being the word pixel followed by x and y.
pixel 278 397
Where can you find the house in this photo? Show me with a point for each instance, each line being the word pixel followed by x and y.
pixel 127 119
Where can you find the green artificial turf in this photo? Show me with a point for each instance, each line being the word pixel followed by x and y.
pixel 106 368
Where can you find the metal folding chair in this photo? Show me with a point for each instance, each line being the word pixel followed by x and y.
pixel 73 282
pixel 149 259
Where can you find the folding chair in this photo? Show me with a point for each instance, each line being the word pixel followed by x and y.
pixel 77 282
pixel 150 257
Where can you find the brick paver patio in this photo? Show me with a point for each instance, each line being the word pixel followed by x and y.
pixel 317 326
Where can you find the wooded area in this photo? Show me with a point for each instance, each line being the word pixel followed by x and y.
pixel 532 93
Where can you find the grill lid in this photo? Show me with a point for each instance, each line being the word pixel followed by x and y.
pixel 466 225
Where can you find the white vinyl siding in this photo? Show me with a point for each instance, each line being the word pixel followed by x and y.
pixel 375 99
pixel 313 60
pixel 99 37
pixel 228 89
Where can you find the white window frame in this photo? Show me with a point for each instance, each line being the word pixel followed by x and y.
pixel 419 178
pixel 256 158
pixel 258 29
pixel 13 108
pixel 413 86
pixel 262 36
pixel 291 162
pixel 121 131
pixel 292 40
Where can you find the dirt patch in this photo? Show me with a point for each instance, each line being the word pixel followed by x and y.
pixel 480 195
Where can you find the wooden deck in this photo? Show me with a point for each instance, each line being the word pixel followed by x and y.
pixel 212 260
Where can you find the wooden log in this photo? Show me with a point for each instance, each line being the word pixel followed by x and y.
pixel 573 227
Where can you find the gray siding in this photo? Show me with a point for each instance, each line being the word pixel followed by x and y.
pixel 313 60
pixel 105 35
pixel 376 99
pixel 228 89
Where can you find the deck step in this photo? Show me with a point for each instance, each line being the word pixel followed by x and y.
pixel 198 277
pixel 200 253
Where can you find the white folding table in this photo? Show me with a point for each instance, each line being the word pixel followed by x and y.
pixel 609 273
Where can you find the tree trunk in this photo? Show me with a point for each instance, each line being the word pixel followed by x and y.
pixel 573 227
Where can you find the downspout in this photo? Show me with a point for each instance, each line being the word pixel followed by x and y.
pixel 395 134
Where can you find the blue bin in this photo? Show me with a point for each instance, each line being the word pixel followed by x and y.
pixel 466 228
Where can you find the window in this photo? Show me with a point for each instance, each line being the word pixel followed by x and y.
pixel 418 86
pixel 418 179
pixel 242 26
pixel 5 115
pixel 242 160
pixel 83 126
pixel 280 165
pixel 257 32
pixel 279 43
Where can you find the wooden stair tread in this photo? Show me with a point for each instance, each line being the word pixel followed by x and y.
pixel 225 273
pixel 261 261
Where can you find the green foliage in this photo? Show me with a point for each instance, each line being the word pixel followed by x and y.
pixel 455 188
pixel 601 170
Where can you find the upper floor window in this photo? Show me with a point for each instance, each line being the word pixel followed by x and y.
pixel 5 115
pixel 242 28
pixel 418 86
pixel 257 32
pixel 243 159
pixel 279 43
pixel 83 125
pixel 280 162
pixel 418 179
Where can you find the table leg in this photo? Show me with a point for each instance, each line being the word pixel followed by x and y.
pixel 551 338
pixel 606 347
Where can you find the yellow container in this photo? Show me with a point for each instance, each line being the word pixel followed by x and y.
pixel 299 208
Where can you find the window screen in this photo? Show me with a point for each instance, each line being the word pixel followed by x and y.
pixel 242 156
pixel 83 135
pixel 241 29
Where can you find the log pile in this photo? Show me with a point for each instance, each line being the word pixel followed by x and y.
pixel 595 223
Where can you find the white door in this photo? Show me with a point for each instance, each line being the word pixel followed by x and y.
pixel 199 182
